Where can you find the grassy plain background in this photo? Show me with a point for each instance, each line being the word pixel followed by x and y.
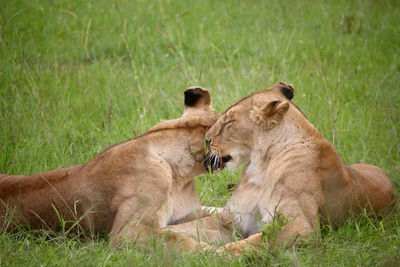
pixel 78 76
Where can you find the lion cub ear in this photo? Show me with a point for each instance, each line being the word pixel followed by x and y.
pixel 270 114
pixel 197 97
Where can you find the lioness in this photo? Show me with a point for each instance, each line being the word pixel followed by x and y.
pixel 132 189
pixel 292 169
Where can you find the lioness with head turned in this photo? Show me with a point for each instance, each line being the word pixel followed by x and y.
pixel 292 169
pixel 131 190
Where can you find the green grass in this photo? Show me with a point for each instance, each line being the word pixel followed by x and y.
pixel 78 76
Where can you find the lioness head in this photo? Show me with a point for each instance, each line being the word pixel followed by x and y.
pixel 231 138
pixel 198 116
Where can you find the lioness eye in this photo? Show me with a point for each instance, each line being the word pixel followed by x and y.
pixel 230 121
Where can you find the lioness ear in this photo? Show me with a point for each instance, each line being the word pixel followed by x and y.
pixel 270 114
pixel 196 97
pixel 287 90
pixel 230 113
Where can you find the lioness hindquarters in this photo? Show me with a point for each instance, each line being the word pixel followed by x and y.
pixel 374 187
pixel 41 200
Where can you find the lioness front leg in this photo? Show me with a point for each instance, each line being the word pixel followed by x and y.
pixel 207 229
pixel 286 237
pixel 239 247
pixel 300 225
pixel 144 229
pixel 143 235
pixel 212 210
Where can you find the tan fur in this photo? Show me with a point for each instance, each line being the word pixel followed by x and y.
pixel 131 190
pixel 291 168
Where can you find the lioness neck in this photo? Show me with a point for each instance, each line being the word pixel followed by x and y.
pixel 292 136
pixel 288 133
pixel 184 166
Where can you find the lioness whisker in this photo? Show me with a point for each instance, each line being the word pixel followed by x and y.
pixel 212 161
pixel 216 162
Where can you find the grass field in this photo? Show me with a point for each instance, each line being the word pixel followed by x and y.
pixel 79 76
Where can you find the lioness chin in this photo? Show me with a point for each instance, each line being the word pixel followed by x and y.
pixel 291 169
pixel 131 190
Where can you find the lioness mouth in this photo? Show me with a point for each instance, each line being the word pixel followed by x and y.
pixel 214 162
pixel 225 160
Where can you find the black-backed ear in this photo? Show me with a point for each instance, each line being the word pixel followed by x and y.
pixel 270 114
pixel 192 96
pixel 196 96
pixel 287 90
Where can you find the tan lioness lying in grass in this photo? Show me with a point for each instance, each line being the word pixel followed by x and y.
pixel 131 190
pixel 292 170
